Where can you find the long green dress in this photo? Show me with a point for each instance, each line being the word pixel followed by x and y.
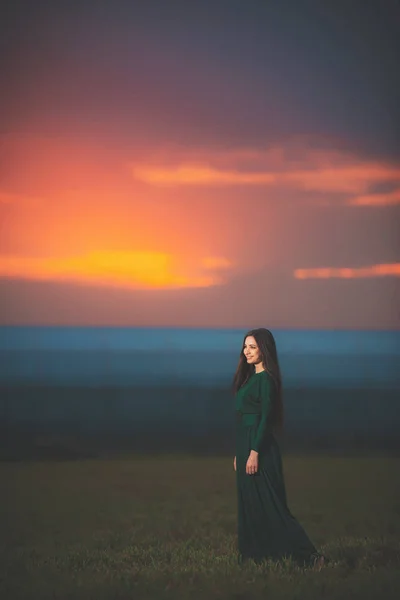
pixel 266 528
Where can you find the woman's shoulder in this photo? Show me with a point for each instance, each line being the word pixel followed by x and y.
pixel 264 379
pixel 263 374
pixel 261 380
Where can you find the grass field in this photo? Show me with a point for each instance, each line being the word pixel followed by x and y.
pixel 165 527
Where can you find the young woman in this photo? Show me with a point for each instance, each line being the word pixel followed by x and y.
pixel 266 528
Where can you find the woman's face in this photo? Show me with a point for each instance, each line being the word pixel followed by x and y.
pixel 251 351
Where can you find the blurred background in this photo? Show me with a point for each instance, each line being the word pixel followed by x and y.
pixel 173 174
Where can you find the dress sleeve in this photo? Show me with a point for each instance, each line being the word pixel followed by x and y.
pixel 265 391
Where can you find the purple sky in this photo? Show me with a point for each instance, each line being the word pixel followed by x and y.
pixel 205 163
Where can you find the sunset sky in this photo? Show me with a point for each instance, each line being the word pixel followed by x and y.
pixel 203 163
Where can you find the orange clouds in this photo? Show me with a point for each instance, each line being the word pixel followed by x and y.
pixel 351 179
pixel 384 270
pixel 302 169
pixel 138 270
pixel 377 199
pixel 67 204
pixel 198 175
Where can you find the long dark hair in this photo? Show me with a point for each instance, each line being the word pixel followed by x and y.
pixel 266 344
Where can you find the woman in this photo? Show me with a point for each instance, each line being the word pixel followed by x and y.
pixel 266 528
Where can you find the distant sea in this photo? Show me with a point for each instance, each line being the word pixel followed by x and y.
pixel 112 356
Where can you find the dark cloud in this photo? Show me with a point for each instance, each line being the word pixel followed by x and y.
pixel 227 71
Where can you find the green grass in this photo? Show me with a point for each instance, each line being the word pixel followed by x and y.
pixel 148 527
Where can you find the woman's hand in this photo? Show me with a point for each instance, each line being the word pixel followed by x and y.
pixel 252 463
pixel 234 463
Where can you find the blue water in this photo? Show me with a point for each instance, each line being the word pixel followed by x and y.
pixel 130 356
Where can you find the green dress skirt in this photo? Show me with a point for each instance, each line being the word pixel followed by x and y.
pixel 266 527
